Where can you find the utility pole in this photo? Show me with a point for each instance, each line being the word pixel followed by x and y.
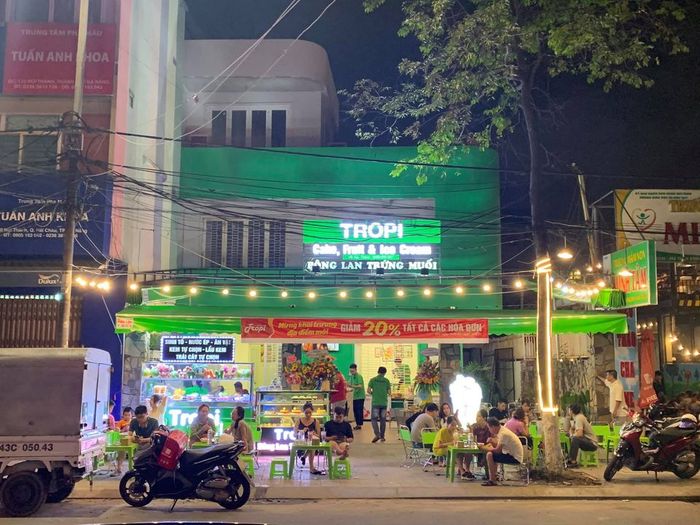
pixel 72 146
pixel 593 252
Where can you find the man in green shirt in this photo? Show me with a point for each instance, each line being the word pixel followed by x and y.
pixel 380 388
pixel 357 383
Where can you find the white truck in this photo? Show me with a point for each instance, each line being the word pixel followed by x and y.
pixel 54 405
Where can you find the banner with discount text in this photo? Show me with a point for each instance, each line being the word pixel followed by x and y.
pixel 263 329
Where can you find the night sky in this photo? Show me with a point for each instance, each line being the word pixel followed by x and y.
pixel 628 132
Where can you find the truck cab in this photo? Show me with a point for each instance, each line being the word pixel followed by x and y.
pixel 55 405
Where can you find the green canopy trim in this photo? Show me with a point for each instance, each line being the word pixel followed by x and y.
pixel 209 320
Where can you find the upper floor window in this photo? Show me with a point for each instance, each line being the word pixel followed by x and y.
pixel 257 128
pixel 60 11
pixel 37 149
pixel 255 243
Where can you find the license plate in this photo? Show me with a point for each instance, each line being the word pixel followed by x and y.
pixel 26 448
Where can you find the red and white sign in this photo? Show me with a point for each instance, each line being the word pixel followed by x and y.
pixel 364 330
pixel 40 59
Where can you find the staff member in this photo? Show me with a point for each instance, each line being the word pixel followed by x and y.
pixel 357 384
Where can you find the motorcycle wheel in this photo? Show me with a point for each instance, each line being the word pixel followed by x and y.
pixel 136 491
pixel 239 489
pixel 688 472
pixel 613 468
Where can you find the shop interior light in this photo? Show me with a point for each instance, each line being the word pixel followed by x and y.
pixel 624 272
pixel 427 292
pixel 193 290
pixel 225 291
pixel 400 292
pixel 589 268
pixel 311 295
pixel 284 293
pixel 369 294
pixel 518 284
pixel 134 287
pixel 343 294
pixel 252 292
pixel 601 284
pixel 459 290
pixel 487 287
pixel 166 288
pixel 599 266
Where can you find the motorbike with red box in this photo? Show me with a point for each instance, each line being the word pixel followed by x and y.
pixel 674 446
pixel 166 470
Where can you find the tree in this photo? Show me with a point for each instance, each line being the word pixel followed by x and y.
pixel 482 73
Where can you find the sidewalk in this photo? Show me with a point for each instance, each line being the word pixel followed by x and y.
pixel 378 474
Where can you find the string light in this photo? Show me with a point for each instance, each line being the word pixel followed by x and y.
pixel 225 291
pixel 589 268
pixel 252 292
pixel 369 294
pixel 459 290
pixel 601 284
pixel 194 290
pixel 343 294
pixel 80 281
pixel 311 295
pixel 427 292
pixel 92 284
pixel 166 288
pixel 486 287
pixel 133 287
pixel 518 284
pixel 284 294
pixel 400 292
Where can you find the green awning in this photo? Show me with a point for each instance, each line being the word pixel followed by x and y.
pixel 209 320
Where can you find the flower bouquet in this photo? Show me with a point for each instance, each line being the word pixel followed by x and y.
pixel 293 374
pixel 427 379
pixel 324 371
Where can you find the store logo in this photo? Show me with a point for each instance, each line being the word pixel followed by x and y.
pixel 53 278
pixel 644 219
pixel 373 230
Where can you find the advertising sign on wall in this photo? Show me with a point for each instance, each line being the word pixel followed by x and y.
pixel 365 330
pixel 186 349
pixel 647 394
pixel 390 245
pixel 627 360
pixel 639 261
pixel 32 216
pixel 669 217
pixel 40 59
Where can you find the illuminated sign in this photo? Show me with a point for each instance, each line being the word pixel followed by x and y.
pixel 186 349
pixel 634 271
pixel 276 439
pixel 396 245
pixel 184 417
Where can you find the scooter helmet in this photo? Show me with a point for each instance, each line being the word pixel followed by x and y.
pixel 688 421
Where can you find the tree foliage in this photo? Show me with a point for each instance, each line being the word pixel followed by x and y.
pixel 482 65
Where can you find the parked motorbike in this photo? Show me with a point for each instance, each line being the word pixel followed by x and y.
pixel 674 446
pixel 211 474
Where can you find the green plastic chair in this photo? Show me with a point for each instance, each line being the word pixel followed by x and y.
pixel 248 461
pixel 588 459
pixel 113 438
pixel 279 468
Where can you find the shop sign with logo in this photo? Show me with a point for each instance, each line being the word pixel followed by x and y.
pixel 669 217
pixel 470 331
pixel 31 279
pixel 276 439
pixel 186 349
pixel 390 245
pixel 637 264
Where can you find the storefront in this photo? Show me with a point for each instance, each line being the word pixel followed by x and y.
pixel 266 338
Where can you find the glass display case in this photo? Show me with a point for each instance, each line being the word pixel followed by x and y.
pixel 189 385
pixel 278 412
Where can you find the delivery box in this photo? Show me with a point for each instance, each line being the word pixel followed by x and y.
pixel 175 445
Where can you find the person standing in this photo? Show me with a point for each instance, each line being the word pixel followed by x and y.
pixel 380 389
pixel 339 395
pixel 582 436
pixel 357 384
pixel 157 408
pixel 618 407
pixel 658 385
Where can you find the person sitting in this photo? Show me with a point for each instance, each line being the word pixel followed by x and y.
pixel 142 427
pixel 310 427
pixel 202 425
pixel 500 411
pixel 240 430
pixel 503 447
pixel 240 391
pixel 123 423
pixel 446 438
pixel 425 421
pixel 414 416
pixel 339 433
pixel 445 412
pixel 529 415
pixel 582 436
pixel 516 424
pixel 481 433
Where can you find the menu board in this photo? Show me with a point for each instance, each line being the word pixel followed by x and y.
pixel 192 349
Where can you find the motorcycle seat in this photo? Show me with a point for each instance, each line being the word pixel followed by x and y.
pixel 671 433
pixel 193 455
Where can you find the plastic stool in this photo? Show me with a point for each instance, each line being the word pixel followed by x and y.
pixel 588 459
pixel 341 469
pixel 279 469
pixel 248 461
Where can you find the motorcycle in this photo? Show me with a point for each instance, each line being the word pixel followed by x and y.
pixel 211 474
pixel 674 446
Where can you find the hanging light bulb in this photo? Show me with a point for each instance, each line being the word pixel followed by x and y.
pixel 601 284
pixel 427 291
pixel 487 287
pixel 194 290
pixel 565 253
pixel 311 295
pixel 166 288
pixel 133 287
pixel 342 294
pixel 459 290
pixel 284 294
pixel 225 291
pixel 589 268
pixel 518 284
pixel 252 292
pixel 369 294
pixel 400 292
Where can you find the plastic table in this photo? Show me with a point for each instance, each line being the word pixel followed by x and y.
pixel 453 452
pixel 129 450
pixel 304 447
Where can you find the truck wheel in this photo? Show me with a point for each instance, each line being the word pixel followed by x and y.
pixel 23 493
pixel 62 493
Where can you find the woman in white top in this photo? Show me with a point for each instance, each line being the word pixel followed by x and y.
pixel 157 407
